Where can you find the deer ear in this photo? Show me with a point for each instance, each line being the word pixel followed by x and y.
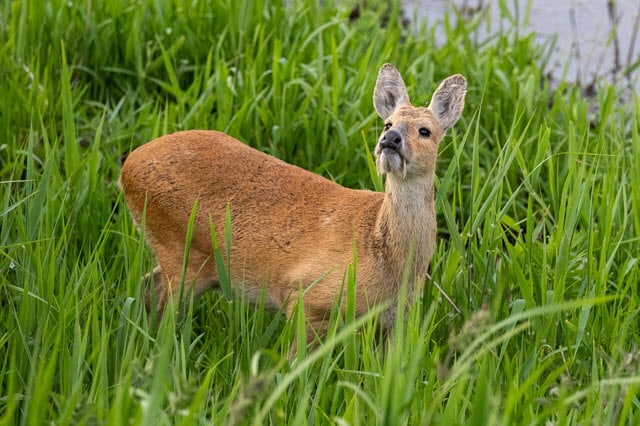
pixel 390 92
pixel 448 100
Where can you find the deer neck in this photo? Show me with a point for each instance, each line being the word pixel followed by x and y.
pixel 406 224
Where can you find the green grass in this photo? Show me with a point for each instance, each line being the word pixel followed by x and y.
pixel 538 205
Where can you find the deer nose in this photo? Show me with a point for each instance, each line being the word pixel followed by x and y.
pixel 392 139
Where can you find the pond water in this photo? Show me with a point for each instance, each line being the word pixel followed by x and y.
pixel 594 38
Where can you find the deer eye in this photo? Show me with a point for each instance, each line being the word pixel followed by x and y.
pixel 387 126
pixel 424 132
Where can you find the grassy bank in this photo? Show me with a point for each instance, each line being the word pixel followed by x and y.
pixel 538 202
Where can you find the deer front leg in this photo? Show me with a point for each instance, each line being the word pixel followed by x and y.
pixel 316 324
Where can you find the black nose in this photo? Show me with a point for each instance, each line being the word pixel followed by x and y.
pixel 392 139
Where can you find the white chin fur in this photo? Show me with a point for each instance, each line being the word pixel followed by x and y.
pixel 391 162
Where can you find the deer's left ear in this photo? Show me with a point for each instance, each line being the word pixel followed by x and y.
pixel 448 100
pixel 390 92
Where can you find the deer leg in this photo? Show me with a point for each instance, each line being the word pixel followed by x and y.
pixel 315 325
pixel 169 290
pixel 153 288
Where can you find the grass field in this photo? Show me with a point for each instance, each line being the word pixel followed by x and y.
pixel 538 203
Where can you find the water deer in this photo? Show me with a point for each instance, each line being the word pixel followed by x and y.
pixel 293 230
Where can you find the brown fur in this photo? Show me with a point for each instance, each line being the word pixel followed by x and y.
pixel 291 227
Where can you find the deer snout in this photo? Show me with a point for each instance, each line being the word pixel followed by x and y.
pixel 391 153
pixel 392 139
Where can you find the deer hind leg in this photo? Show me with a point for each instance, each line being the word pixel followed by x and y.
pixel 153 288
pixel 167 287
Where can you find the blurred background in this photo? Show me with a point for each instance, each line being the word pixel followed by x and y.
pixel 587 39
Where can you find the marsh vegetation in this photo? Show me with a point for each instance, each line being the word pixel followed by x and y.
pixel 537 200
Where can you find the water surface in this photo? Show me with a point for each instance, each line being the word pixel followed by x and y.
pixel 593 38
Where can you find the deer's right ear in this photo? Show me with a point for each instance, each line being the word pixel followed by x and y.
pixel 390 92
